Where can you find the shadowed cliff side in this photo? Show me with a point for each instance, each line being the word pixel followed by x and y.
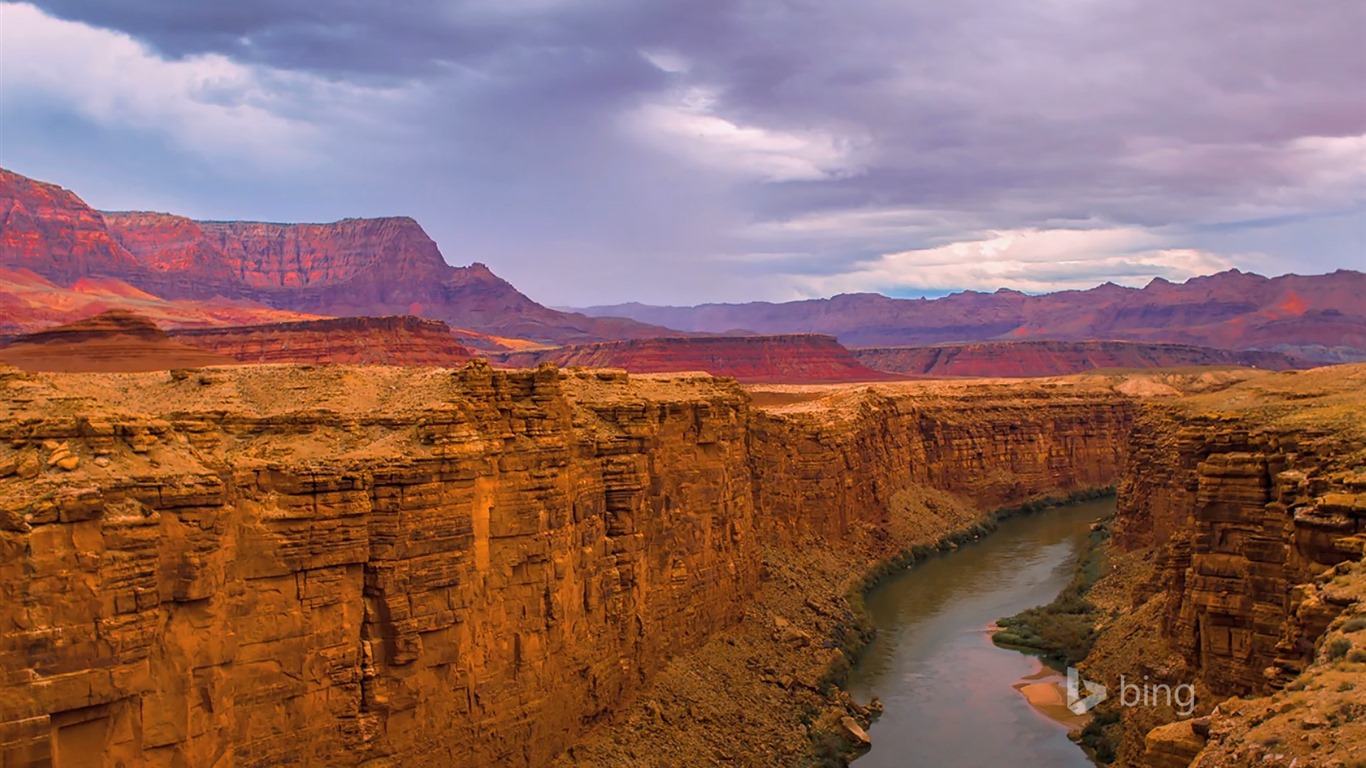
pixel 1239 533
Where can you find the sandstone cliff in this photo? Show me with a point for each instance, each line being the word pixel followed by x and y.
pixel 1248 504
pixel 325 567
pixel 795 358
pixel 1056 358
pixel 50 231
pixel 403 340
pixel 333 566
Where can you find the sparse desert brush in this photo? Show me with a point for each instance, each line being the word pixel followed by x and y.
pixel 1337 648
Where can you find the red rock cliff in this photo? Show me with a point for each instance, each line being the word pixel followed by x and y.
pixel 1243 503
pixel 1251 505
pixel 361 340
pixel 827 469
pixel 52 232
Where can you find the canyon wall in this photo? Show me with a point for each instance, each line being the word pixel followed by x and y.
pixel 841 465
pixel 372 566
pixel 329 568
pixel 1243 505
pixel 1245 501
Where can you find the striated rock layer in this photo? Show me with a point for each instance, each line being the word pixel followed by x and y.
pixel 111 341
pixel 1248 503
pixel 795 358
pixel 1056 358
pixel 347 566
pixel 403 340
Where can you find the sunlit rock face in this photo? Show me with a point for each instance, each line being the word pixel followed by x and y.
pixel 330 565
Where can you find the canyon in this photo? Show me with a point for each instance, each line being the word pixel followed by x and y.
pixel 334 565
pixel 347 565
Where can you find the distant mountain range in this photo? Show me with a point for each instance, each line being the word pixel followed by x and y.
pixel 385 266
pixel 1318 317
pixel 62 261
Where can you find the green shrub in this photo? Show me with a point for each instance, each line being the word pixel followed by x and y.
pixel 1065 629
pixel 1338 648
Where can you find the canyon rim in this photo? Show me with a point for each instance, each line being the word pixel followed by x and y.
pixel 607 384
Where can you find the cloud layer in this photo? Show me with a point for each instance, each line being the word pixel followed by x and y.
pixel 604 150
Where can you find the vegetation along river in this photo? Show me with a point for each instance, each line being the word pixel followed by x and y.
pixel 951 697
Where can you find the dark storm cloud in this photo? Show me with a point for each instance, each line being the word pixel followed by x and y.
pixel 606 150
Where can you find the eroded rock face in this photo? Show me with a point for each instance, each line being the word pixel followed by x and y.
pixel 335 565
pixel 795 358
pixel 1241 514
pixel 1056 358
pixel 53 233
pixel 468 577
pixel 1252 506
pixel 110 341
pixel 404 340
pixel 826 471
pixel 382 266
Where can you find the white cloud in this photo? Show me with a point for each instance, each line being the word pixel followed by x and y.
pixel 1026 260
pixel 666 61
pixel 688 123
pixel 208 104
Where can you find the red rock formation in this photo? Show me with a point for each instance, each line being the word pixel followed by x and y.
pixel 382 266
pixel 1055 358
pixel 794 358
pixel 1242 506
pixel 829 467
pixel 112 341
pixel 30 303
pixel 403 340
pixel 53 233
pixel 1321 317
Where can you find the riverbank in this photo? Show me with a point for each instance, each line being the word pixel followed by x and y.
pixel 1063 631
pixel 776 680
pixel 946 687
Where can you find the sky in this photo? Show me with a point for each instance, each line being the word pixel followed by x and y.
pixel 684 151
